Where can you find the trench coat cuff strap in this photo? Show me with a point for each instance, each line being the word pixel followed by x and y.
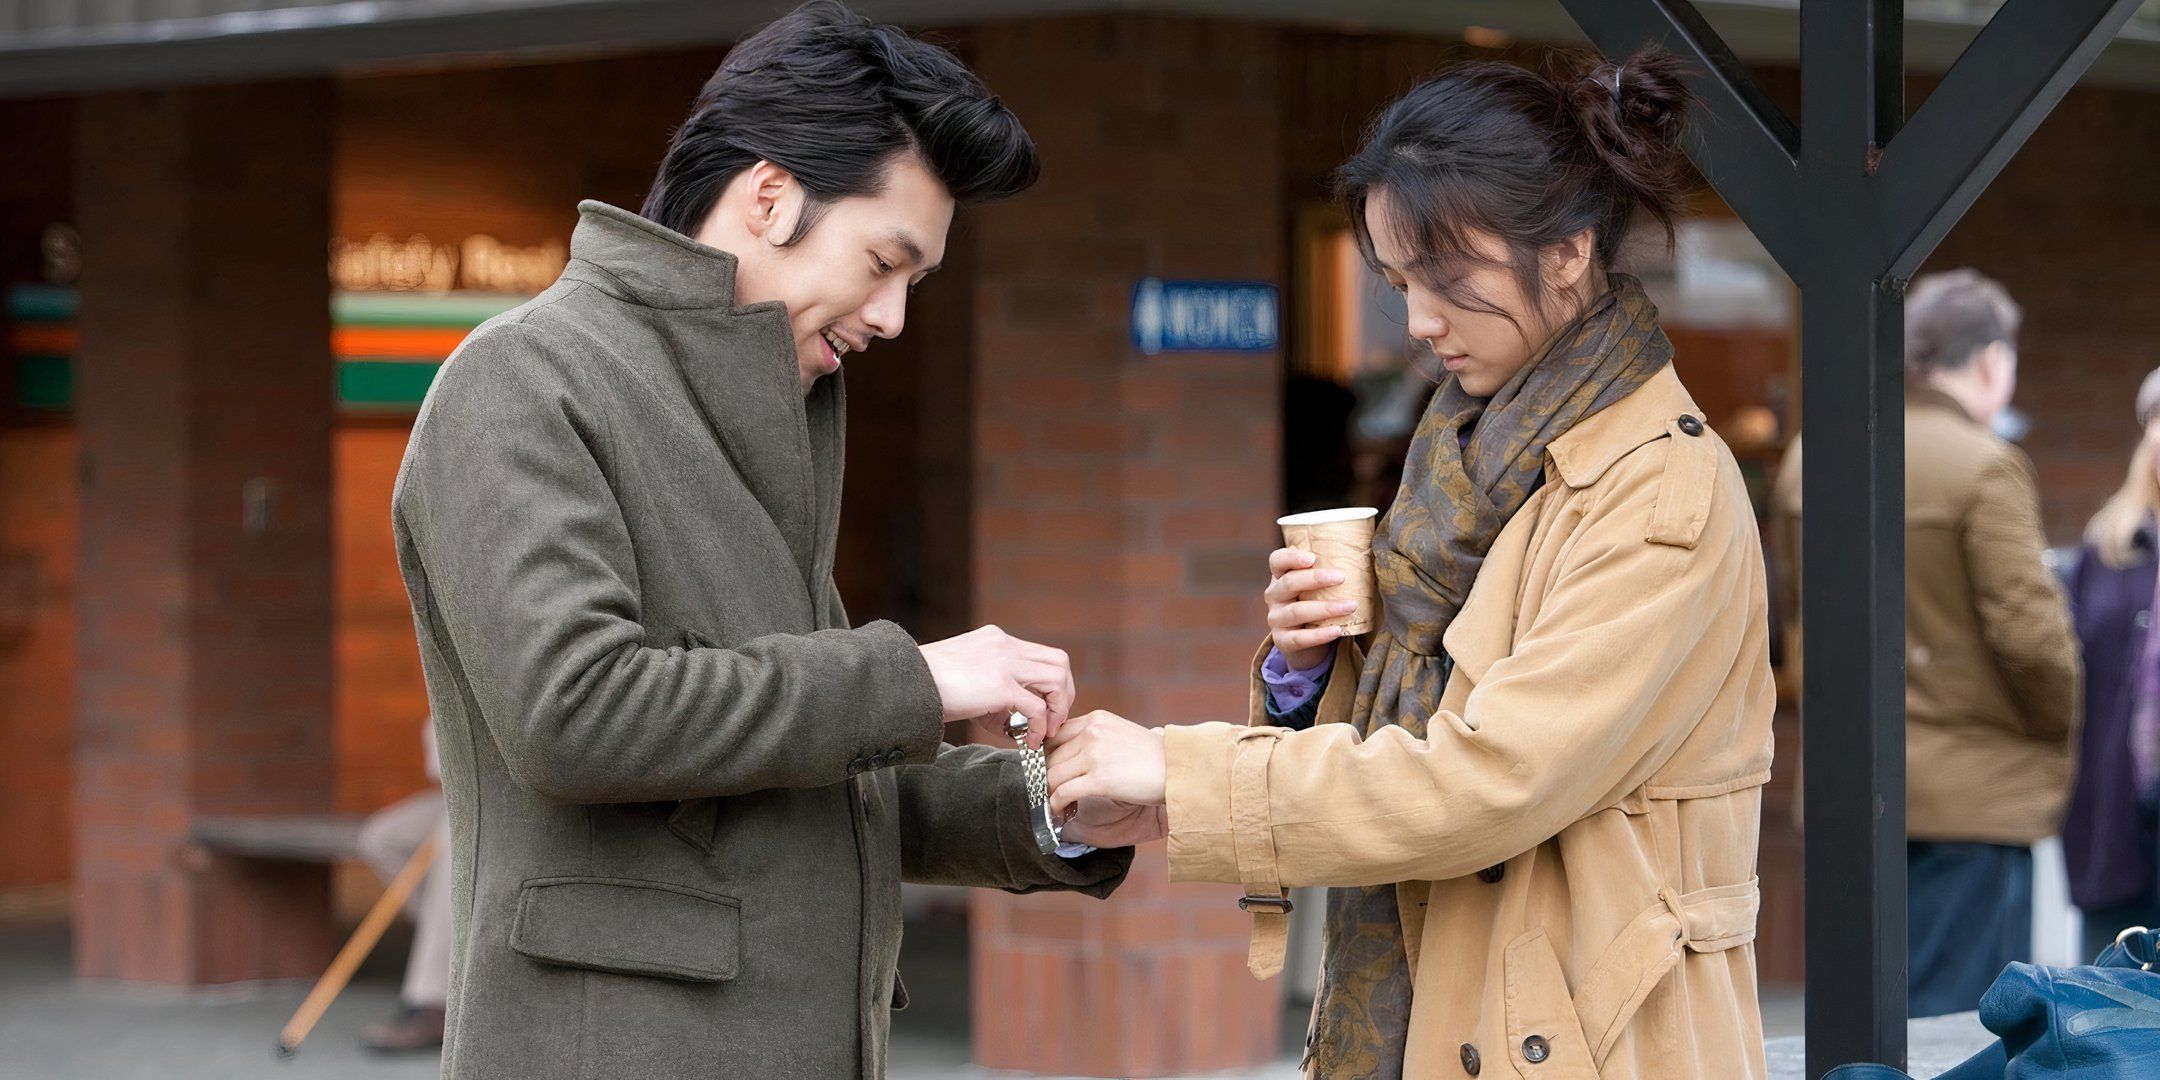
pixel 1253 839
pixel 1197 794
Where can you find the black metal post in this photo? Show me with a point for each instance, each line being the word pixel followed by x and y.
pixel 1853 539
pixel 1849 206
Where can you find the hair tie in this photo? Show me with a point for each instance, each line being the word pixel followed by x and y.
pixel 1616 81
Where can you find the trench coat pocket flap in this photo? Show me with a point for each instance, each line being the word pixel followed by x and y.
pixel 629 927
pixel 1707 920
pixel 1539 1013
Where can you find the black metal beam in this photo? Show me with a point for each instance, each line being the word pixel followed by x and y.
pixel 1852 79
pixel 2022 63
pixel 1747 147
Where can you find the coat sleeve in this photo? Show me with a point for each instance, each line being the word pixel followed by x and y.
pixel 964 821
pixel 1591 701
pixel 520 555
pixel 2024 617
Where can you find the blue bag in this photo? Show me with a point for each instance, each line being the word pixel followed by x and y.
pixel 2080 1023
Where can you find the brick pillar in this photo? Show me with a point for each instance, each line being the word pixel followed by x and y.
pixel 204 404
pixel 1125 504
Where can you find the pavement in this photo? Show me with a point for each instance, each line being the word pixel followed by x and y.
pixel 56 1027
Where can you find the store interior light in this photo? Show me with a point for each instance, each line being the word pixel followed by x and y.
pixel 1485 37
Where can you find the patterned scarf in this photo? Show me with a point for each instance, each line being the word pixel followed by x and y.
pixel 1456 495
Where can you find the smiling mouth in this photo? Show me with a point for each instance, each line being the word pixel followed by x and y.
pixel 839 345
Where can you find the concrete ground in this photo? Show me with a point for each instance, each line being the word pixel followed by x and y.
pixel 53 1027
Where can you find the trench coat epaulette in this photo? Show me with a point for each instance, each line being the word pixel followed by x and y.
pixel 1689 481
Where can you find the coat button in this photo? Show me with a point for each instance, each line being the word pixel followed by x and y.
pixel 1691 423
pixel 856 767
pixel 1535 1049
pixel 1491 875
pixel 1470 1062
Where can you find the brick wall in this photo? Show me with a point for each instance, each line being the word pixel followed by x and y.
pixel 37 652
pixel 204 593
pixel 1124 505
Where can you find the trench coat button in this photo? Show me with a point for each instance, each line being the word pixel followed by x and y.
pixel 1690 423
pixel 1535 1049
pixel 1470 1062
pixel 856 767
pixel 1491 875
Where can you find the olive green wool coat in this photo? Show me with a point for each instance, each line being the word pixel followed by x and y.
pixel 683 792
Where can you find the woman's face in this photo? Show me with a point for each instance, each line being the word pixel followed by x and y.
pixel 1484 349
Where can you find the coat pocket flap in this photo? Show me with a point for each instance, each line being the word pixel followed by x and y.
pixel 629 927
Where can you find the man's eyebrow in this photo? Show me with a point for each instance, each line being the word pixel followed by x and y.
pixel 907 245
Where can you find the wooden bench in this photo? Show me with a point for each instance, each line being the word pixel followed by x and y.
pixel 310 838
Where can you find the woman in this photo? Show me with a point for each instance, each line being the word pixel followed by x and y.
pixel 2109 832
pixel 1534 791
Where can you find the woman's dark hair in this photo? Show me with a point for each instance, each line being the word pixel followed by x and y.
pixel 833 98
pixel 1528 157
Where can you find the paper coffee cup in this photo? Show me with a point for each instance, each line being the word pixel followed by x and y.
pixel 1342 538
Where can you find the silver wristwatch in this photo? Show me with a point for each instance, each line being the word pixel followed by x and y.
pixel 1036 768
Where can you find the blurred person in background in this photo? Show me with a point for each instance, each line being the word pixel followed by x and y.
pixel 2108 838
pixel 388 841
pixel 1991 667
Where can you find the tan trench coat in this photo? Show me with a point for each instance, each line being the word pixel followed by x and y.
pixel 1574 843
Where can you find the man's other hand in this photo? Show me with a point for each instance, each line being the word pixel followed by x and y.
pixel 986 675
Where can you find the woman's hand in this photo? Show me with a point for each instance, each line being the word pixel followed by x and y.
pixel 1103 755
pixel 1107 823
pixel 1302 643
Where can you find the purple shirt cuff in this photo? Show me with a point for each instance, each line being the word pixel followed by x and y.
pixel 1288 689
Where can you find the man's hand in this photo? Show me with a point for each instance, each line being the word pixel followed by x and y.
pixel 1104 755
pixel 986 675
pixel 1107 823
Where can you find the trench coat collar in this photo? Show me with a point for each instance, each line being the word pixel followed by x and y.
pixel 1583 453
pixel 739 363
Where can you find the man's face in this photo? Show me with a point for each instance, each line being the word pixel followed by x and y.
pixel 845 282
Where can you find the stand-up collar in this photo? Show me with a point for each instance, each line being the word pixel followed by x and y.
pixel 739 364
pixel 648 264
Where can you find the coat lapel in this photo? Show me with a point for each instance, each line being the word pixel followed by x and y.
pixel 739 365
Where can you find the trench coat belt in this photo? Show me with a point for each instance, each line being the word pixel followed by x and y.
pixel 1254 836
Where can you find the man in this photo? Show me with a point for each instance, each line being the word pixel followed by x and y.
pixel 1991 666
pixel 682 792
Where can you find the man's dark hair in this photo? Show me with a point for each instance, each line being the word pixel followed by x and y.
pixel 834 98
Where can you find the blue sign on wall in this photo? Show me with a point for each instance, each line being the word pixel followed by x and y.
pixel 1204 316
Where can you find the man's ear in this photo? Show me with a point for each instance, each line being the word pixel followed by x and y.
pixel 1568 261
pixel 775 200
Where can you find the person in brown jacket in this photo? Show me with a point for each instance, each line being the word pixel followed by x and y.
pixel 1533 792
pixel 1991 664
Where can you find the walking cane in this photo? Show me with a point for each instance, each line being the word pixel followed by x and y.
pixel 356 949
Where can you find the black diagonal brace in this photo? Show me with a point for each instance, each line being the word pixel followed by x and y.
pixel 2023 62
